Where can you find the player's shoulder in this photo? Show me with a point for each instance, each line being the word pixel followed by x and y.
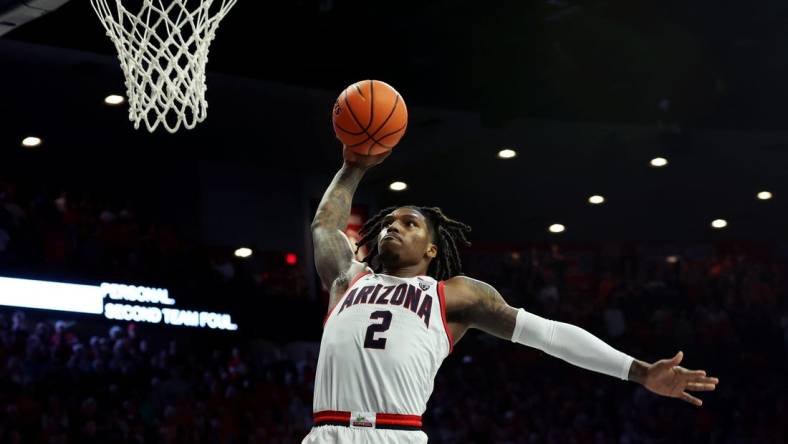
pixel 463 290
pixel 465 296
pixel 357 268
pixel 346 279
pixel 464 283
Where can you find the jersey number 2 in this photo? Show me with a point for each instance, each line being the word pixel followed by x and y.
pixel 369 340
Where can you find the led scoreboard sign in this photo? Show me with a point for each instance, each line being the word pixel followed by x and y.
pixel 113 301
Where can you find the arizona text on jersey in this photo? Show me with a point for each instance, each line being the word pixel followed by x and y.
pixel 382 346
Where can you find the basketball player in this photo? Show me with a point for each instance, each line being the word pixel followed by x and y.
pixel 394 317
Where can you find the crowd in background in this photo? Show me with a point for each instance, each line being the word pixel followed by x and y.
pixel 81 237
pixel 723 306
pixel 59 386
pixel 75 381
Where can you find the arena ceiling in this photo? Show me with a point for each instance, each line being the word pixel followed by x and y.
pixel 587 91
pixel 719 65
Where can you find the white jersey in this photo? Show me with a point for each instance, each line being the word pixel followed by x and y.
pixel 382 346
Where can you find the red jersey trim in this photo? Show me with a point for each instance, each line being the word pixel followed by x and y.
pixel 352 283
pixel 330 415
pixel 380 418
pixel 442 297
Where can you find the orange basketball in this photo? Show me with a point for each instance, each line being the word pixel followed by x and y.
pixel 370 117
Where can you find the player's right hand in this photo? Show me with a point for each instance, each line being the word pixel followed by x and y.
pixel 362 161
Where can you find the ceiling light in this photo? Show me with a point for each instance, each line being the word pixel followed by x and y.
pixel 398 186
pixel 31 141
pixel 114 99
pixel 596 199
pixel 243 252
pixel 658 162
pixel 556 228
pixel 507 154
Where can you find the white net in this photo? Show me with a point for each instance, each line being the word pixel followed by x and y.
pixel 163 50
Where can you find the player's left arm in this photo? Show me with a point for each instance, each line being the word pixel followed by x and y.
pixel 475 304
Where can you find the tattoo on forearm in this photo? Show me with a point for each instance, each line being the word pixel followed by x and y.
pixel 492 314
pixel 334 208
pixel 333 253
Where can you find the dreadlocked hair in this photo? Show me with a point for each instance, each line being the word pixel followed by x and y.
pixel 447 234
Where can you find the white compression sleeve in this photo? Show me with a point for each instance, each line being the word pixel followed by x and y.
pixel 570 343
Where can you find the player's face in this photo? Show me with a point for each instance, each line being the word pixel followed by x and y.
pixel 405 238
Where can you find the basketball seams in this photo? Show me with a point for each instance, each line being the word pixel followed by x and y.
pixel 358 123
pixel 365 130
pixel 376 142
pixel 371 114
pixel 392 133
pixel 344 93
pixel 350 132
pixel 371 105
pixel 355 119
pixel 393 108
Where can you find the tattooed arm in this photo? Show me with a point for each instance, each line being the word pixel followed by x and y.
pixel 333 251
pixel 474 304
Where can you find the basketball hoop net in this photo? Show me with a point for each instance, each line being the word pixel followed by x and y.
pixel 163 50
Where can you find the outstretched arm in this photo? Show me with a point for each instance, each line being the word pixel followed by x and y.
pixel 333 251
pixel 475 304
